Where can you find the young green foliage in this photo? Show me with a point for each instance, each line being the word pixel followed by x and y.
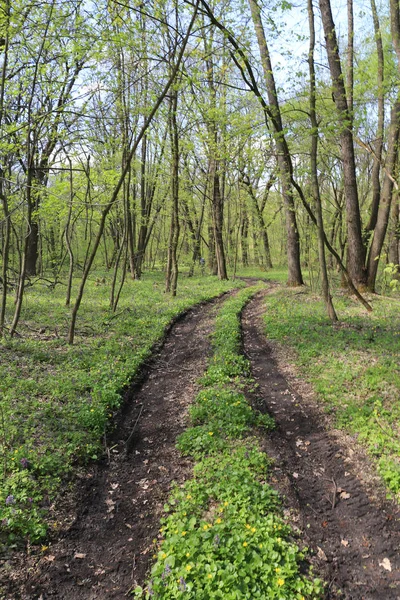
pixel 353 366
pixel 223 536
pixel 57 401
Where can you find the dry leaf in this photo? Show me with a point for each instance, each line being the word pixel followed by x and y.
pixel 386 564
pixel 80 555
pixel 345 543
pixel 50 558
pixel 296 475
pixel 114 486
pixel 110 503
pixel 321 554
pixel 344 495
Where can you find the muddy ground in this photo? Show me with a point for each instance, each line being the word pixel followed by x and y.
pixel 106 546
pixel 353 531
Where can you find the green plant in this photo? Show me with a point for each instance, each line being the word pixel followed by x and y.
pixel 57 401
pixel 353 366
pixel 223 535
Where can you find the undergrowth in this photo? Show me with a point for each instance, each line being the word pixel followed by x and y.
pixel 223 535
pixel 57 401
pixel 353 366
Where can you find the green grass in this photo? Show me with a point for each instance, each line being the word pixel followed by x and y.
pixel 353 366
pixel 224 536
pixel 56 401
pixel 276 274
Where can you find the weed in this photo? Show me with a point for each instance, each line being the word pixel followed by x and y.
pixel 57 401
pixel 353 366
pixel 223 536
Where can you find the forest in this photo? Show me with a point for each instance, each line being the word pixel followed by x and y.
pixel 199 274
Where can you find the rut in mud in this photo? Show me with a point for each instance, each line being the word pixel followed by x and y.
pixel 356 540
pixel 108 549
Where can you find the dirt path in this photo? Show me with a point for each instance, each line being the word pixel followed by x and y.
pixel 109 547
pixel 356 540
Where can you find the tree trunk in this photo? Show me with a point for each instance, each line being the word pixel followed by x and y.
pixel 244 232
pixel 376 167
pixel 114 196
pixel 284 161
pixel 218 216
pixel 172 261
pixel 385 200
pixel 314 170
pixel 394 233
pixel 356 253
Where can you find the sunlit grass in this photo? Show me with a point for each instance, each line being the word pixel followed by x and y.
pixel 353 366
pixel 56 400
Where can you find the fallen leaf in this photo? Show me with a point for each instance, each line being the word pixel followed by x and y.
pixel 110 503
pixel 386 564
pixel 80 555
pixel 345 543
pixel 296 475
pixel 321 554
pixel 50 558
pixel 114 486
pixel 344 495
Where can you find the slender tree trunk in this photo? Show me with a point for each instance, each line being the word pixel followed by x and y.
pixel 394 238
pixel 356 253
pixel 350 61
pixel 212 261
pixel 378 147
pixel 284 161
pixel 385 200
pixel 22 274
pixel 68 236
pixel 260 218
pixel 114 196
pixel 5 254
pixel 172 261
pixel 218 219
pixel 3 191
pixel 197 245
pixel 314 170
pixel 244 232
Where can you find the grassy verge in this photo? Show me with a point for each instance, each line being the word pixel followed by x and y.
pixel 223 536
pixel 353 366
pixel 56 401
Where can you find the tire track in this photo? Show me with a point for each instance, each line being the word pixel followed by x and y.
pixel 355 539
pixel 108 549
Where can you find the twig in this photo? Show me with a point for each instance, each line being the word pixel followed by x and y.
pixel 128 442
pixel 335 489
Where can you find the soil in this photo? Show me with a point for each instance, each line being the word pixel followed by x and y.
pixel 105 550
pixel 355 534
